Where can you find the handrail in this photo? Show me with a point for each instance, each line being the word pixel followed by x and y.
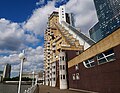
pixel 31 89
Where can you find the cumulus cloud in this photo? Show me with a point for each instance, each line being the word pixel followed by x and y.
pixel 12 40
pixel 38 21
pixel 84 13
pixel 34 60
pixel 41 2
pixel 83 10
pixel 13 37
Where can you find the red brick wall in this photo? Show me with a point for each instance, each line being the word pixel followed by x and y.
pixel 103 78
pixel 70 54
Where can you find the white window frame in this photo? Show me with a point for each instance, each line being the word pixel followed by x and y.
pixel 89 62
pixel 105 57
pixel 77 76
pixel 76 67
pixel 73 76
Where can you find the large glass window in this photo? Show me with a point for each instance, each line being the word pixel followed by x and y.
pixel 89 63
pixel 106 56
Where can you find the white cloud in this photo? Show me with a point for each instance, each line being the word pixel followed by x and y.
pixel 13 38
pixel 34 60
pixel 11 35
pixel 84 13
pixel 40 2
pixel 38 21
pixel 31 38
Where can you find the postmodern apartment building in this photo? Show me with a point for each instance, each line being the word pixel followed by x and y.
pixel 62 43
pixel 108 12
pixel 7 71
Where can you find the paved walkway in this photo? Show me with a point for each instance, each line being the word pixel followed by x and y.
pixel 48 89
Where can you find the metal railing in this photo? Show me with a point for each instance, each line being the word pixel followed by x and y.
pixel 31 89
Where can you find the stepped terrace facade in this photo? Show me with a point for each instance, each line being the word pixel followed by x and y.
pixel 62 43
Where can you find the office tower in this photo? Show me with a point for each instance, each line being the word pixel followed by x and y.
pixel 7 71
pixel 108 12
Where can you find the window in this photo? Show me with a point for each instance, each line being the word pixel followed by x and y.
pixel 106 56
pixel 77 76
pixel 53 79
pixel 63 59
pixel 60 67
pixel 54 67
pixel 48 52
pixel 63 76
pixel 63 67
pixel 60 58
pixel 54 73
pixel 73 76
pixel 77 52
pixel 89 63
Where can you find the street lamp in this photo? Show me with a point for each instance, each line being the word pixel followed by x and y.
pixel 33 78
pixel 22 58
pixel 36 79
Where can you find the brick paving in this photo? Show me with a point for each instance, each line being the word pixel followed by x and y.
pixel 48 89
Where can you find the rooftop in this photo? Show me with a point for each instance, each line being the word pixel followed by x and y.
pixel 80 34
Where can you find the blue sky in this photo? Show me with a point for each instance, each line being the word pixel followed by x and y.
pixel 21 10
pixel 17 10
pixel 22 26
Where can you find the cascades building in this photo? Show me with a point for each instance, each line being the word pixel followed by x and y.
pixel 62 43
pixel 74 61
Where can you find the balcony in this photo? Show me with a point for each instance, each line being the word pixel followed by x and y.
pixel 54 48
pixel 48 51
pixel 64 45
pixel 48 45
pixel 54 44
pixel 51 33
